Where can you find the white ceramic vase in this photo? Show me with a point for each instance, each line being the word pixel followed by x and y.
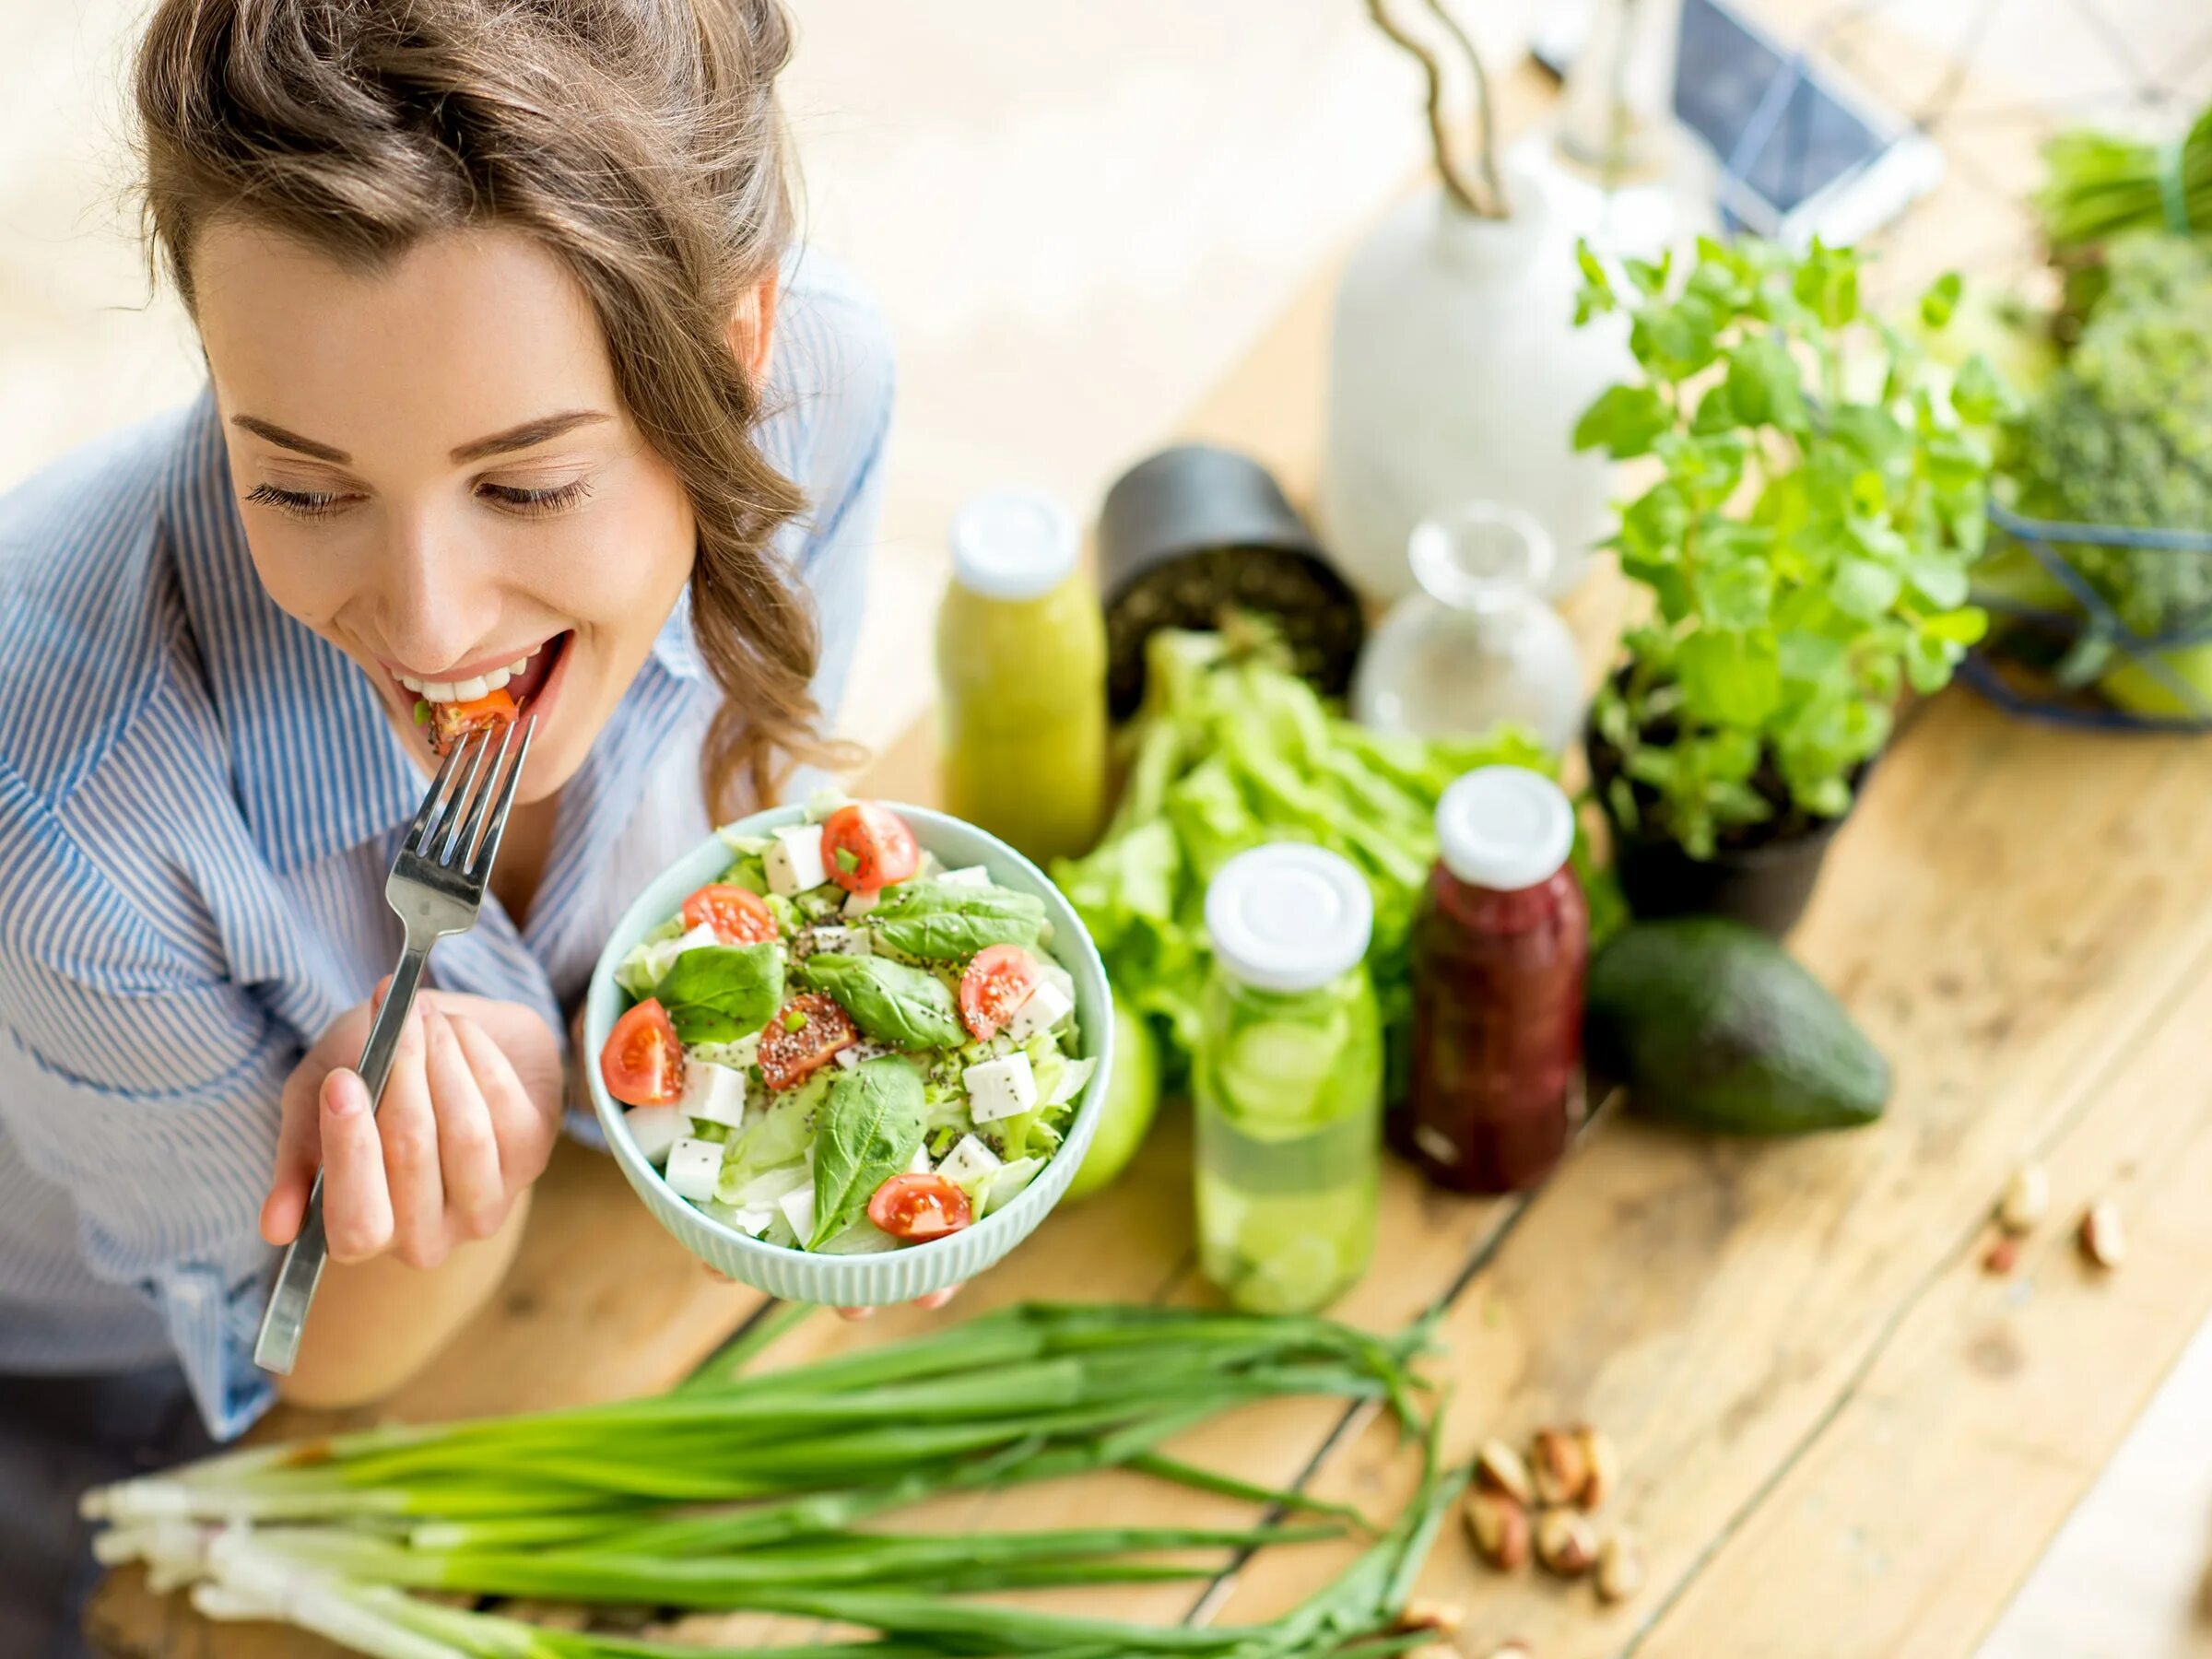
pixel 1456 374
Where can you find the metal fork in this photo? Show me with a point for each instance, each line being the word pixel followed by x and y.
pixel 436 888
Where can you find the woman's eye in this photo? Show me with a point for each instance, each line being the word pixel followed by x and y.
pixel 299 503
pixel 513 499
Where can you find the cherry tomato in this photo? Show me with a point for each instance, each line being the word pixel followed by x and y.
pixel 737 915
pixel 450 720
pixel 877 843
pixel 998 981
pixel 643 1062
pixel 920 1207
pixel 803 1036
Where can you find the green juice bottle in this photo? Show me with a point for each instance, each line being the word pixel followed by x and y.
pixel 1289 1082
pixel 1021 673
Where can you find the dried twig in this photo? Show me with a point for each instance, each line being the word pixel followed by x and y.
pixel 1464 190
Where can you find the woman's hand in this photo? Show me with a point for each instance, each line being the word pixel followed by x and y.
pixel 470 1113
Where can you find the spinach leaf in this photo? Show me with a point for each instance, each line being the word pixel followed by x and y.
pixel 869 1131
pixel 720 993
pixel 907 1007
pixel 941 922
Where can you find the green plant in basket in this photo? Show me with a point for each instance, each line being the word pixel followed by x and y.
pixel 1821 494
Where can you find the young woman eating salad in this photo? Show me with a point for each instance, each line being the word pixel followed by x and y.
pixel 518 388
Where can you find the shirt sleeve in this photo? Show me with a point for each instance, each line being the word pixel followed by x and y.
pixel 147 1091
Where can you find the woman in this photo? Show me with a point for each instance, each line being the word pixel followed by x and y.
pixel 513 376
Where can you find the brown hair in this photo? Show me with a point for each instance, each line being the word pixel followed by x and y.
pixel 639 140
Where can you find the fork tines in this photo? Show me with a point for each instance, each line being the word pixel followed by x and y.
pixel 451 828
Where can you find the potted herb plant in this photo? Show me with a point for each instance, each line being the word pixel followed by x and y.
pixel 1820 492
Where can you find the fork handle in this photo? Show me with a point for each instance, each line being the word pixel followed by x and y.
pixel 276 1348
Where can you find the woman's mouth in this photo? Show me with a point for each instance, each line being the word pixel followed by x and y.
pixel 522 678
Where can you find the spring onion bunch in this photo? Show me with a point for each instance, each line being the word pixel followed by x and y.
pixel 2104 184
pixel 748 1491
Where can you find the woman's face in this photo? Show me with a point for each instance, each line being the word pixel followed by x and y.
pixel 436 476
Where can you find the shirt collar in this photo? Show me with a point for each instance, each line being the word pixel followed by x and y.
pixel 317 767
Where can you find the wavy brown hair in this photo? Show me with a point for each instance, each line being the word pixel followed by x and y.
pixel 639 140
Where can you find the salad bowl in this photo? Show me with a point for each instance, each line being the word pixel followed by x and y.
pixel 891 1275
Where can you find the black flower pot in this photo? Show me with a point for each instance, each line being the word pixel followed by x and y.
pixel 1764 884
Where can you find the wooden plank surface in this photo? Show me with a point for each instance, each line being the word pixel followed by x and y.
pixel 1841 1436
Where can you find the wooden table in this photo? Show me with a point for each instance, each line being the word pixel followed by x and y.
pixel 1841 1436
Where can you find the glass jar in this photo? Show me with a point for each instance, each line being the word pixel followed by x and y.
pixel 1477 644
pixel 1288 1085
pixel 1021 672
pixel 1498 951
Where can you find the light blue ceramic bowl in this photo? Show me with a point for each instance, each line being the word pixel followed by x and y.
pixel 859 1281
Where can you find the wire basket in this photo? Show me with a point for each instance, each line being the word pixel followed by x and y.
pixel 2020 666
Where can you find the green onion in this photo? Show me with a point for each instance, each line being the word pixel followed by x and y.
pixel 747 1491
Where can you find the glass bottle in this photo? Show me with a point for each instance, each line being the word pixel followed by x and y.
pixel 1498 951
pixel 1021 672
pixel 1287 1087
pixel 1477 644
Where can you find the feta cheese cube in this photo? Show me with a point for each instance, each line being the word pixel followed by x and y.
pixel 859 904
pixel 968 875
pixel 655 1129
pixel 794 861
pixel 701 935
pixel 1042 1010
pixel 970 1162
pixel 842 941
pixel 799 1209
pixel 919 1163
pixel 1000 1088
pixel 694 1167
pixel 714 1092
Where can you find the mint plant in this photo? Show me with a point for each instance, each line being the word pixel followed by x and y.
pixel 1820 495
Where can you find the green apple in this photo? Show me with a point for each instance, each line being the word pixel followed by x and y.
pixel 1132 1097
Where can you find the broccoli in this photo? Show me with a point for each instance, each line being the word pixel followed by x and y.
pixel 2123 435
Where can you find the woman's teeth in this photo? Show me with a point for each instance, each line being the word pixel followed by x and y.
pixel 467 691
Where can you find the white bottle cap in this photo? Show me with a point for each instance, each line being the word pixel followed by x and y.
pixel 1504 827
pixel 1289 917
pixel 1014 544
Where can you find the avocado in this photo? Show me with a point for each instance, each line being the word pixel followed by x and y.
pixel 1712 1024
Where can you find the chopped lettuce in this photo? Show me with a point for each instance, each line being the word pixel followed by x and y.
pixel 1005 1185
pixel 782 1134
pixel 651 957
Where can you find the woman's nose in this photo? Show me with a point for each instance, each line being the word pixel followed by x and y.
pixel 433 614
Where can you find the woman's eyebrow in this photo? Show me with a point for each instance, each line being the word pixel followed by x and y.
pixel 531 431
pixel 282 438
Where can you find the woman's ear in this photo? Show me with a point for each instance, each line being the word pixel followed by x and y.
pixel 753 329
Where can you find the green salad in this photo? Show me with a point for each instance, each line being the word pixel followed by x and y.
pixel 842 1046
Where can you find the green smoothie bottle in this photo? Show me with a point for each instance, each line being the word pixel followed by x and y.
pixel 1289 1082
pixel 1021 673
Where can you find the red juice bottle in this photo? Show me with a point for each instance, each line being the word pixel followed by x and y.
pixel 1499 952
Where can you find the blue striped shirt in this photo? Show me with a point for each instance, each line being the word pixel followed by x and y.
pixel 199 800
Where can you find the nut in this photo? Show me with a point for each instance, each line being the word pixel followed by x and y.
pixel 1565 1543
pixel 2100 1236
pixel 2026 1199
pixel 1558 1467
pixel 1619 1567
pixel 2002 1256
pixel 1502 1469
pixel 1499 1528
pixel 1443 1618
pixel 1602 1464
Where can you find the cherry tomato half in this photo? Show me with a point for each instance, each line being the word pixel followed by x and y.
pixel 737 915
pixel 875 842
pixel 920 1207
pixel 450 721
pixel 802 1037
pixel 643 1062
pixel 998 981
